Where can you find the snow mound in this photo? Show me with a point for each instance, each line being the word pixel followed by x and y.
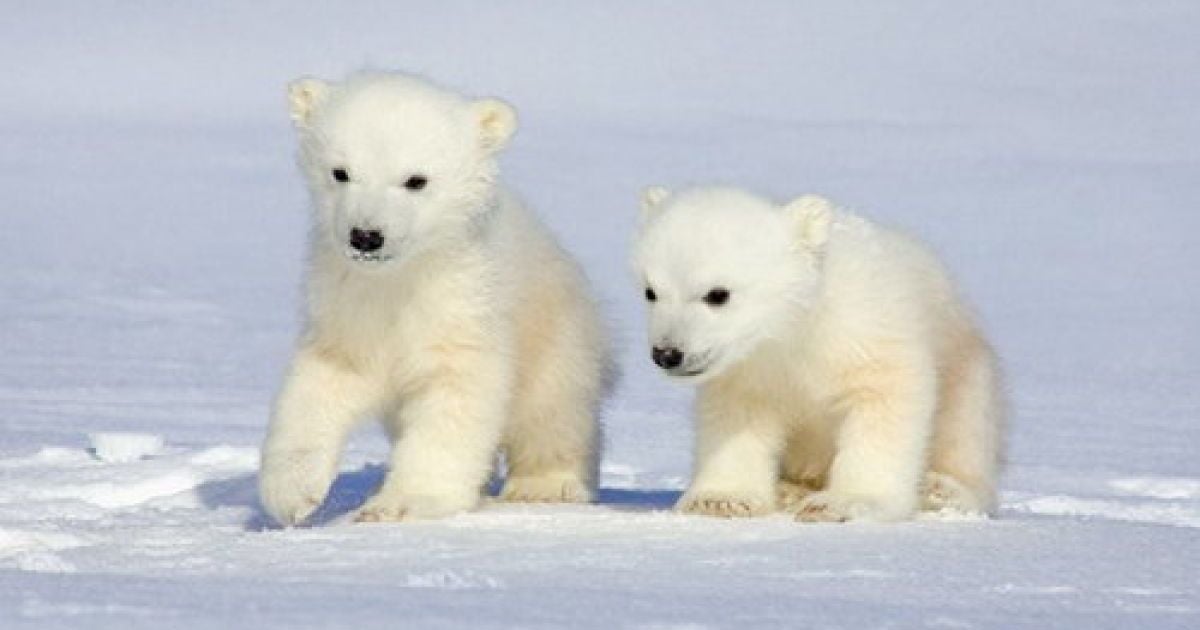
pixel 119 448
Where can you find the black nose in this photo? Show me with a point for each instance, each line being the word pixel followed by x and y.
pixel 366 240
pixel 667 358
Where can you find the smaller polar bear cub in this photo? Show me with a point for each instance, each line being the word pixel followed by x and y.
pixel 437 302
pixel 841 377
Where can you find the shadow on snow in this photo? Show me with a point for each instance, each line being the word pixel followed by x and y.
pixel 351 489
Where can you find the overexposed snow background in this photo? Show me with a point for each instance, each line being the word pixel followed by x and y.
pixel 151 231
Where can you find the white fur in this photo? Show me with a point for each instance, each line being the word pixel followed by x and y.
pixel 468 331
pixel 843 379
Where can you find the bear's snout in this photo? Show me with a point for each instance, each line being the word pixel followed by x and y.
pixel 366 241
pixel 667 358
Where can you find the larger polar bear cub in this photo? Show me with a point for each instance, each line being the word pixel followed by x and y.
pixel 841 375
pixel 435 301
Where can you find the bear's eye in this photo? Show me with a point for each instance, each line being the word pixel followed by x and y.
pixel 416 182
pixel 716 297
pixel 340 175
pixel 651 295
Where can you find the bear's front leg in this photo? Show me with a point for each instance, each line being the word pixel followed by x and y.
pixel 738 446
pixel 447 436
pixel 881 446
pixel 320 401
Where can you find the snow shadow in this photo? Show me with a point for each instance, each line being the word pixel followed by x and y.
pixel 351 489
pixel 637 500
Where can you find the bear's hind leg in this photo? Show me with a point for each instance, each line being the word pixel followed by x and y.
pixel 549 458
pixel 551 439
pixel 805 465
pixel 965 456
pixel 550 443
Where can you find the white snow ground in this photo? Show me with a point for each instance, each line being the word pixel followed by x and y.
pixel 150 248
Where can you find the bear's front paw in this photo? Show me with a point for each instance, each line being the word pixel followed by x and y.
pixel 546 489
pixel 725 504
pixel 392 506
pixel 293 483
pixel 833 507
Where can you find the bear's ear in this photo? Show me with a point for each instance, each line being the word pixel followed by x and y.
pixel 652 200
pixel 810 217
pixel 497 122
pixel 304 96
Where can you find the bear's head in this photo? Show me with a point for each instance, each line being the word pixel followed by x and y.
pixel 723 270
pixel 396 165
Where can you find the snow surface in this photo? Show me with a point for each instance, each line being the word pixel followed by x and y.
pixel 151 250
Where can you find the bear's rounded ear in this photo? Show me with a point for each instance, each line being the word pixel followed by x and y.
pixel 652 200
pixel 810 217
pixel 497 122
pixel 304 96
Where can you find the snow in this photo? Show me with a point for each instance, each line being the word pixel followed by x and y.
pixel 151 251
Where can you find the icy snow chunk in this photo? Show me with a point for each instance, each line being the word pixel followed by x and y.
pixel 119 448
pixel 1158 487
pixel 122 495
pixel 1173 514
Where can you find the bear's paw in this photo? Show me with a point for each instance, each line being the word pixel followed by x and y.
pixel 293 483
pixel 545 489
pixel 391 506
pixel 725 504
pixel 833 507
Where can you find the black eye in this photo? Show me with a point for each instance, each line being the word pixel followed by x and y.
pixel 340 175
pixel 416 182
pixel 651 295
pixel 716 297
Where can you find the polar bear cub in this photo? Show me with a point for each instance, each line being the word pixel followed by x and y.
pixel 841 377
pixel 437 302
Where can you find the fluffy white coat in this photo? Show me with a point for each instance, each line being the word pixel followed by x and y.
pixel 464 327
pixel 841 377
